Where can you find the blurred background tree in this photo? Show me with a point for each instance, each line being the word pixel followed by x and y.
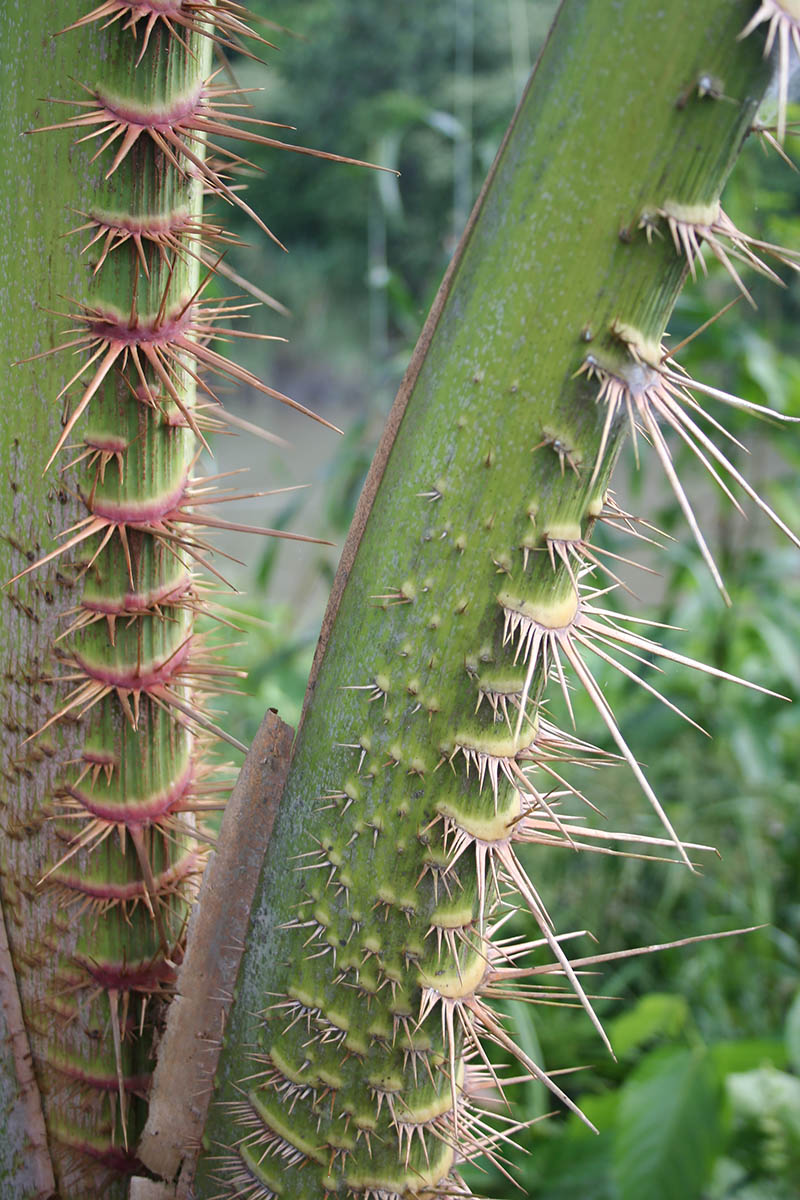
pixel 705 1098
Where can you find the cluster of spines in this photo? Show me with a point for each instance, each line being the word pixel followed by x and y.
pixel 782 20
pixel 141 401
pixel 454 800
pixel 421 1001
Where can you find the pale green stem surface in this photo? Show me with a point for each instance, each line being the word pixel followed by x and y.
pixel 41 179
pixel 612 126
pixel 86 950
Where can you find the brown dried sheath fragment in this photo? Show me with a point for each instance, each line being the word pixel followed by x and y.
pixel 190 1047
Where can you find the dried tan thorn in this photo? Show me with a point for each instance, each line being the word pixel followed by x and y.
pixel 782 18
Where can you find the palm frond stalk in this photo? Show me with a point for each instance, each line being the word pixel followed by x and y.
pixel 363 1033
pixel 110 753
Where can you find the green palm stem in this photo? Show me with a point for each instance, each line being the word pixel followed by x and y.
pixel 99 856
pixel 351 1051
pixel 92 956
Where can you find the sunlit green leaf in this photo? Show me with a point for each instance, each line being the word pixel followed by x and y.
pixel 668 1130
pixel 793 1033
pixel 660 1014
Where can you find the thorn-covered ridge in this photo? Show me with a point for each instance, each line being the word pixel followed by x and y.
pixel 130 675
pixel 429 775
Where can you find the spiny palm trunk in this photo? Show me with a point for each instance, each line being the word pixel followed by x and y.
pixel 108 764
pixel 357 1043
pixel 95 908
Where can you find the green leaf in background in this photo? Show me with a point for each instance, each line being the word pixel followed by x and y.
pixel 600 1110
pixel 793 1034
pixel 766 1122
pixel 524 1031
pixel 659 1015
pixel 562 1170
pixel 746 1054
pixel 668 1129
pixel 730 1182
pixel 765 1096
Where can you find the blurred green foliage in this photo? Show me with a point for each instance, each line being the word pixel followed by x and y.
pixel 704 1098
pixel 424 88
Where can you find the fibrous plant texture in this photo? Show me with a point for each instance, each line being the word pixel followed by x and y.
pixel 363 1039
pixel 109 742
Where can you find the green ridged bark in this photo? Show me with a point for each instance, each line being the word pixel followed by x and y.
pixel 329 1086
pixel 95 941
pixel 35 214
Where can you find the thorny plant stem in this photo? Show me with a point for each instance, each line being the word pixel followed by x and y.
pixel 101 851
pixel 359 1035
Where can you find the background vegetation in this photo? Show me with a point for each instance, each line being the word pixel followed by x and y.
pixel 704 1100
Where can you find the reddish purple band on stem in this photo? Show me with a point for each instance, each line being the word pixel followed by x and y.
pixel 135 1085
pixel 143 977
pixel 161 119
pixel 116 893
pixel 136 679
pixel 113 1158
pixel 137 332
pixel 165 8
pixel 150 226
pixel 137 602
pixel 107 443
pixel 144 811
pixel 144 512
pixel 100 758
